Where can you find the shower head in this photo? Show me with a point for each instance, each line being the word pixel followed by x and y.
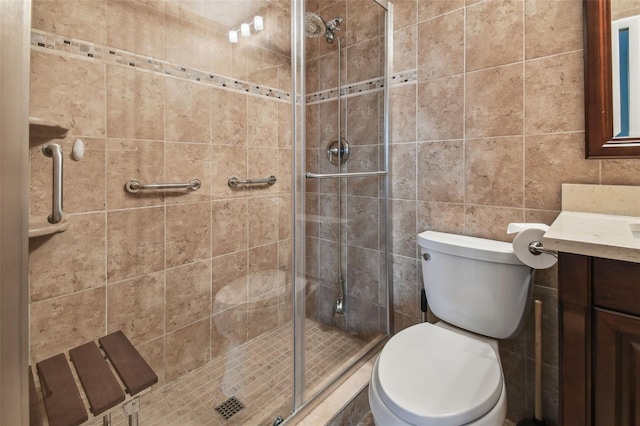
pixel 314 25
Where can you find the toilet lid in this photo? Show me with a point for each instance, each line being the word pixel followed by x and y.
pixel 429 375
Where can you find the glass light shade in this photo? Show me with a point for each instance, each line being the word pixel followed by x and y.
pixel 233 36
pixel 258 23
pixel 245 30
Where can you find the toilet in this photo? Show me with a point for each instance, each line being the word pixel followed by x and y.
pixel 449 373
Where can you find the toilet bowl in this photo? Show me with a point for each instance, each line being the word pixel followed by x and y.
pixel 459 383
pixel 449 373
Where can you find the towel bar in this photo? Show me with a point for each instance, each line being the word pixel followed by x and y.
pixel 344 175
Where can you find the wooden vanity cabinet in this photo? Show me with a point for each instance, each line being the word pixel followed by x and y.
pixel 599 332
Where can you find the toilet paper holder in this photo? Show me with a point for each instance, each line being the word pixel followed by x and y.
pixel 527 245
pixel 536 248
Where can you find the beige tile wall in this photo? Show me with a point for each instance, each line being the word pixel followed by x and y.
pixel 186 275
pixel 485 137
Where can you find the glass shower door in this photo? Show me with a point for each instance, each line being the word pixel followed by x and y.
pixel 344 190
pixel 167 91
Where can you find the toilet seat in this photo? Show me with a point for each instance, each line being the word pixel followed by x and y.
pixel 429 375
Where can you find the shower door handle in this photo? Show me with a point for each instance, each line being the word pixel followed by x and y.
pixel 344 175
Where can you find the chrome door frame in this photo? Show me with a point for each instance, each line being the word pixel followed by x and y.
pixel 15 24
pixel 298 69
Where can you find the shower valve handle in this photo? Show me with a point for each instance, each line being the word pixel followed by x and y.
pixel 335 151
pixel 331 152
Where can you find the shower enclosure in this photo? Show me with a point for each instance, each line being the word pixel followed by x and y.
pixel 252 291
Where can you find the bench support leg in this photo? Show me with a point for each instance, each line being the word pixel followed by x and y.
pixel 106 420
pixel 131 409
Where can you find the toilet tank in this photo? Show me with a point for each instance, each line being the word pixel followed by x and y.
pixel 475 284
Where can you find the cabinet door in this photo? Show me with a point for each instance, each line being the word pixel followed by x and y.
pixel 616 369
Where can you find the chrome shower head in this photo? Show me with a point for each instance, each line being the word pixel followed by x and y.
pixel 314 25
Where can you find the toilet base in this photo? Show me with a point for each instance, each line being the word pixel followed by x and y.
pixel 382 416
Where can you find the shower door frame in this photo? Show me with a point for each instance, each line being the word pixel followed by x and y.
pixel 298 72
pixel 15 23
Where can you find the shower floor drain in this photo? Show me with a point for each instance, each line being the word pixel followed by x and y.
pixel 230 407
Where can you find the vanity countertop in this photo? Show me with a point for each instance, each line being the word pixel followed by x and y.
pixel 595 221
pixel 593 234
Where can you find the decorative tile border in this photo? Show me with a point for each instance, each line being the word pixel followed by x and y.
pixel 372 85
pixel 364 86
pixel 112 56
pixel 108 55
pixel 408 76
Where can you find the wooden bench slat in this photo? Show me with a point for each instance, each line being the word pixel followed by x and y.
pixel 133 370
pixel 35 418
pixel 61 396
pixel 100 385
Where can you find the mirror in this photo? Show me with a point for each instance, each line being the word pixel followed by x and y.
pixel 609 107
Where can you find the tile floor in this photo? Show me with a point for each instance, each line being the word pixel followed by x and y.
pixel 258 373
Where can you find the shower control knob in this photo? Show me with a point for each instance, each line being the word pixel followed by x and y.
pixel 333 152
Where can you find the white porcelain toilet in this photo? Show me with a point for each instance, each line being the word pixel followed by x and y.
pixel 449 373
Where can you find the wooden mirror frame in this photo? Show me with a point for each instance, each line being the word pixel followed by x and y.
pixel 598 90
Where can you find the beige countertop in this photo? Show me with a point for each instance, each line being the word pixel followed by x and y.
pixel 591 222
pixel 593 234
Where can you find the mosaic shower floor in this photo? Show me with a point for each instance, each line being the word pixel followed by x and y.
pixel 258 373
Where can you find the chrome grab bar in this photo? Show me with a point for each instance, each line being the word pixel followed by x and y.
pixel 55 151
pixel 134 186
pixel 234 182
pixel 344 175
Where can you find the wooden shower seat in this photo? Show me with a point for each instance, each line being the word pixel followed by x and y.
pixel 61 393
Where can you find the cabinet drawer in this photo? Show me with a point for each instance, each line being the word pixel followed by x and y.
pixel 616 285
